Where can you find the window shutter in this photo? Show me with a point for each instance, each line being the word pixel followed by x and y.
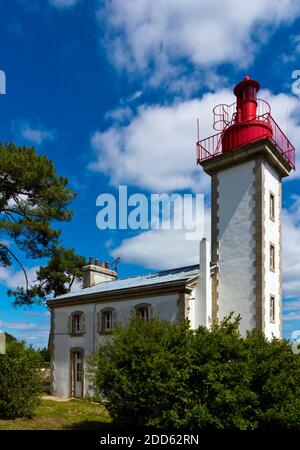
pixel 151 312
pixel 113 317
pixel 82 319
pixel 99 322
pixel 102 322
pixel 132 311
pixel 69 324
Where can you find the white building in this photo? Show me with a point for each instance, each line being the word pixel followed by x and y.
pixel 80 320
pixel 240 273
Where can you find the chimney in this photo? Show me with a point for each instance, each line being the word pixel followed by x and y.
pixel 96 272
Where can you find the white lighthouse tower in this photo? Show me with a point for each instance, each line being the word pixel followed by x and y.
pixel 247 160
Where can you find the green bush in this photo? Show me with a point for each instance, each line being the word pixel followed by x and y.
pixel 220 380
pixel 276 382
pixel 20 383
pixel 14 347
pixel 165 375
pixel 143 371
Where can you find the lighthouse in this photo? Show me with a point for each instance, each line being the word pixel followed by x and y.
pixel 247 160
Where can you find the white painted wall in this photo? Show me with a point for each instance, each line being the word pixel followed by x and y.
pixel 236 243
pixel 202 309
pixel 164 306
pixel 272 234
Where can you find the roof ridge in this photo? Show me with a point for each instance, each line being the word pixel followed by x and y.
pixel 147 279
pixel 191 266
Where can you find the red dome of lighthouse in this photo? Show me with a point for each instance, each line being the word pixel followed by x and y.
pixel 247 125
pixel 243 122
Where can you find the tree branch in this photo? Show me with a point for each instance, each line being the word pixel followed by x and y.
pixel 18 261
pixel 12 211
pixel 72 281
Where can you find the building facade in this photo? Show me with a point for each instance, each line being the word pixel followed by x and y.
pixel 81 320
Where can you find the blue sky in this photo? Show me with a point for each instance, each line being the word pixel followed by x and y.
pixel 110 91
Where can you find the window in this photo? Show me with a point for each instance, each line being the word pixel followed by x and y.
pixel 77 372
pixel 143 311
pixel 76 323
pixel 272 257
pixel 272 206
pixel 106 320
pixel 272 308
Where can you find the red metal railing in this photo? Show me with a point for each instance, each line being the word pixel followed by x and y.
pixel 282 143
pixel 212 146
pixel 225 115
pixel 209 147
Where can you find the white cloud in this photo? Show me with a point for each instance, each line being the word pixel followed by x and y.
pixel 63 3
pixel 119 114
pixel 16 279
pixel 291 249
pixel 36 334
pixel 291 316
pixel 18 325
pixel 294 50
pixel 37 314
pixel 286 111
pixel 156 149
pixel 34 134
pixel 13 279
pixel 291 308
pixel 291 305
pixel 164 249
pixel 76 286
pixel 153 38
pixel 159 249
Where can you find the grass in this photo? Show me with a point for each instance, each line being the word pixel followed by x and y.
pixel 70 415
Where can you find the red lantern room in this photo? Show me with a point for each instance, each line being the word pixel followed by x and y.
pixel 246 94
pixel 245 121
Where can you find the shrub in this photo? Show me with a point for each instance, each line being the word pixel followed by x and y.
pixel 220 379
pixel 14 347
pixel 143 371
pixel 275 379
pixel 165 375
pixel 20 383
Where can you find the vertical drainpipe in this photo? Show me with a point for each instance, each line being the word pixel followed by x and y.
pixel 94 328
pixel 94 342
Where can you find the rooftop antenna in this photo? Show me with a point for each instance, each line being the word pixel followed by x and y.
pixel 114 264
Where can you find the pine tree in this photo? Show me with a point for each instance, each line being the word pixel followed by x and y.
pixel 32 197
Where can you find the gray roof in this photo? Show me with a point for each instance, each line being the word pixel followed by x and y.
pixel 184 274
